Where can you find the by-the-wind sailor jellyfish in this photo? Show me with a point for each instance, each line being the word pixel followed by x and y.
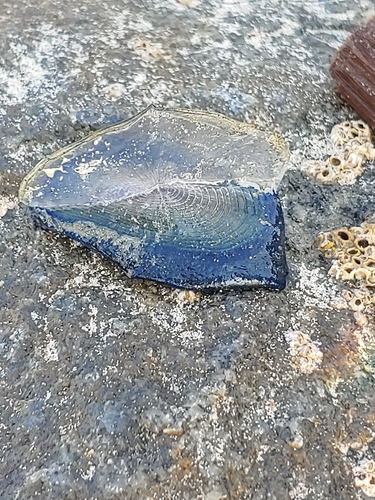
pixel 182 197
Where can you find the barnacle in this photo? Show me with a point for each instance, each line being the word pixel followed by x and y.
pixel 357 304
pixel 326 243
pixel 361 319
pixel 326 174
pixel 343 237
pixel 188 296
pixel 358 299
pixel 353 145
pixel 148 50
pixel 342 133
pixel 364 477
pixel 342 271
pixel 306 355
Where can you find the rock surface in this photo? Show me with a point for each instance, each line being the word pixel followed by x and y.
pixel 117 389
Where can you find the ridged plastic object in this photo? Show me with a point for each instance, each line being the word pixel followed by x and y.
pixel 353 70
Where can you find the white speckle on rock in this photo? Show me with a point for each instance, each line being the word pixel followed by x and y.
pixel 300 492
pixel 50 352
pixel 116 90
pixel 313 289
pixel 89 474
pixel 91 327
pixel 6 204
pixel 218 493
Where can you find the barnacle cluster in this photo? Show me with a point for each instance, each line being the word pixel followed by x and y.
pixel 306 355
pixel 188 296
pixel 364 477
pixel 353 145
pixel 353 251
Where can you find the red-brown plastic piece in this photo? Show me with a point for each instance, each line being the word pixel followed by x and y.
pixel 353 70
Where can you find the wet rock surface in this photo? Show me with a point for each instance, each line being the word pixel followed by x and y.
pixel 113 388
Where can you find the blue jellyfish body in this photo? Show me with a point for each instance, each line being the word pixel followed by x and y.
pixel 185 198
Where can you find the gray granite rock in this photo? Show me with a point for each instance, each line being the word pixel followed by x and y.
pixel 117 389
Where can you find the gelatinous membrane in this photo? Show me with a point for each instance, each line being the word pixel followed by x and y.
pixel 186 198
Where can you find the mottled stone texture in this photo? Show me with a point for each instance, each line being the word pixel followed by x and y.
pixel 115 389
pixel 353 70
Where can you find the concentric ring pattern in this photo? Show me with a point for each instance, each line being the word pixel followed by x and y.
pixel 185 198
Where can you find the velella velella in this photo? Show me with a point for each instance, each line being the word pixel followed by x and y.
pixel 182 197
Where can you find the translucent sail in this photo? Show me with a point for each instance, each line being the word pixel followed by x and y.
pixel 186 198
